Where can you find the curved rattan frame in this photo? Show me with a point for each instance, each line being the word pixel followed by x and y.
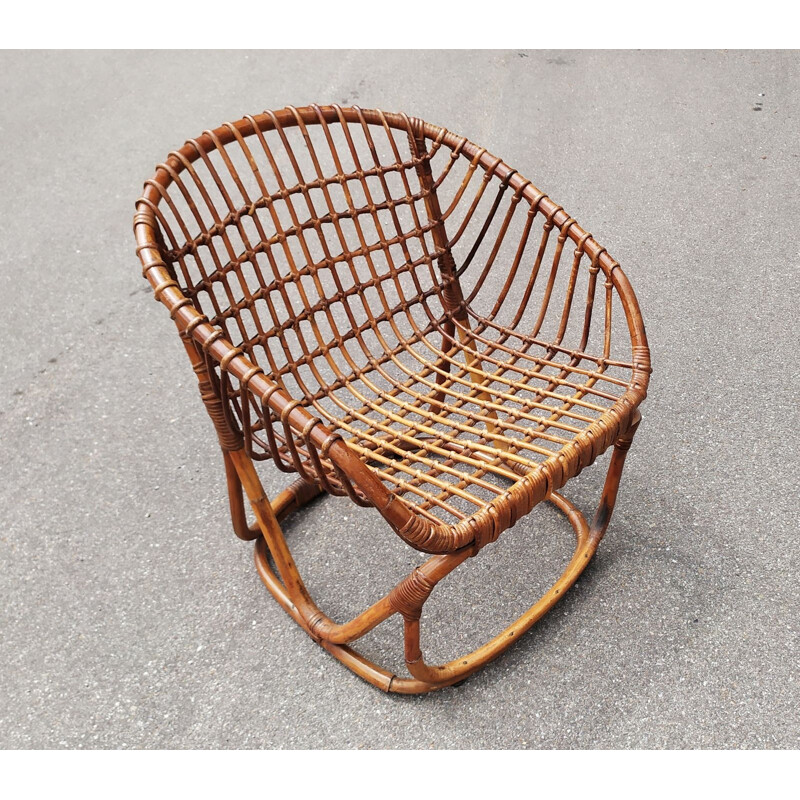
pixel 231 383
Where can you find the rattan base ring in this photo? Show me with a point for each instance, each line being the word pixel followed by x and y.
pixel 455 672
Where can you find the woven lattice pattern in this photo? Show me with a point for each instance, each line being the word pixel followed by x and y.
pixel 410 292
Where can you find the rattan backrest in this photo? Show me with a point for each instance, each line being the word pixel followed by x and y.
pixel 301 239
pixel 307 236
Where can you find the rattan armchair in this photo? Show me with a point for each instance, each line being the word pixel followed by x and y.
pixel 389 312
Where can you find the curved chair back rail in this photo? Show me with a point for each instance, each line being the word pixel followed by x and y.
pixel 378 305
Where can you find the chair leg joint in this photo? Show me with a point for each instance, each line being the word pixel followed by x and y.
pixel 410 594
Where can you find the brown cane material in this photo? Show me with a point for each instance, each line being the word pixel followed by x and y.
pixel 390 312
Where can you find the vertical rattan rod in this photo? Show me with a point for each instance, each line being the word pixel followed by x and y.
pixel 236 502
pixel 611 486
pixel 229 439
pixel 452 296
pixel 273 535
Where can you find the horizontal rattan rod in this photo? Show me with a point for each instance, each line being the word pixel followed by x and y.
pixel 494 376
pixel 313 266
pixel 308 270
pixel 415 474
pixel 572 354
pixel 456 408
pixel 419 479
pixel 511 366
pixel 423 339
pixel 541 362
pixel 324 350
pixel 452 409
pixel 565 408
pixel 565 369
pixel 428 500
pixel 377 446
pixel 491 461
pixel 422 428
pixel 393 446
pixel 491 344
pixel 379 407
pixel 263 202
pixel 449 377
pixel 557 413
pixel 569 401
pixel 294 497
pixel 446 420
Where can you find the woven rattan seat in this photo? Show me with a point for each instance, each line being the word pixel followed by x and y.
pixel 390 312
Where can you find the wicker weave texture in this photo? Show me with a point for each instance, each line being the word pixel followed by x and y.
pixel 367 277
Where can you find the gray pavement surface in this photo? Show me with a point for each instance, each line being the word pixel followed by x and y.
pixel 131 617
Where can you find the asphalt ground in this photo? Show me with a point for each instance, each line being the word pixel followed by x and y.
pixel 131 617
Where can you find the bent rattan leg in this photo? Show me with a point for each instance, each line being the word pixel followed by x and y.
pixel 408 597
pixel 461 668
pixel 587 541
